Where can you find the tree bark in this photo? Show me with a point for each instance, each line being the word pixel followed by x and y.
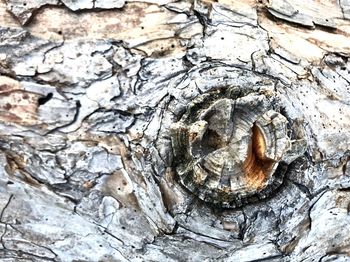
pixel 90 93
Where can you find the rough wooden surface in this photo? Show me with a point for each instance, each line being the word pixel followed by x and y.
pixel 90 90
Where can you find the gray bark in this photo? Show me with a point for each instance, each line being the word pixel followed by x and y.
pixel 89 94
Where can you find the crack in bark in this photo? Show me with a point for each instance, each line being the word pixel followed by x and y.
pixel 75 118
pixel 5 207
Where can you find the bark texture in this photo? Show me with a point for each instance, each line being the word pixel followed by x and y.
pixel 90 92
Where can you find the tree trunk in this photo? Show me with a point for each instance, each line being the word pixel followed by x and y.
pixel 164 130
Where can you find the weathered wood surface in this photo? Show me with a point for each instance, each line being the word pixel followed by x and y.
pixel 88 94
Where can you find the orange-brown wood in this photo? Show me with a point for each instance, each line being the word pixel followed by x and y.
pixel 257 167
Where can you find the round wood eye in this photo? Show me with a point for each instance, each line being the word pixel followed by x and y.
pixel 231 151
